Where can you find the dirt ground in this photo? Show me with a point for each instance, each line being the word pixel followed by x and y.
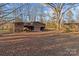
pixel 49 43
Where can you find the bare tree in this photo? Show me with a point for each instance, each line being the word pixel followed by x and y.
pixel 70 16
pixel 60 9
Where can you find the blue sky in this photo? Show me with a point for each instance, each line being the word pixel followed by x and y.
pixel 33 5
pixel 46 10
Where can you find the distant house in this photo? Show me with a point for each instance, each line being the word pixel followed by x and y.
pixel 20 26
pixel 13 26
pixel 7 27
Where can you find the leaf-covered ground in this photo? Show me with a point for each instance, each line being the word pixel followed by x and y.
pixel 49 43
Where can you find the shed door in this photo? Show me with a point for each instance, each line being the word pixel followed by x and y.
pixel 42 29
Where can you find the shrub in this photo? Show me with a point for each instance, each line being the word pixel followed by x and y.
pixel 71 28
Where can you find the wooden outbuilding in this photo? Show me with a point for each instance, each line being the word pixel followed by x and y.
pixel 35 26
pixel 21 26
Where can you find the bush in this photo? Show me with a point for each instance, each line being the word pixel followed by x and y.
pixel 68 30
pixel 71 28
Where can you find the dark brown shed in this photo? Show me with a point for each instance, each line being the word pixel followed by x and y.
pixel 35 26
pixel 18 26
